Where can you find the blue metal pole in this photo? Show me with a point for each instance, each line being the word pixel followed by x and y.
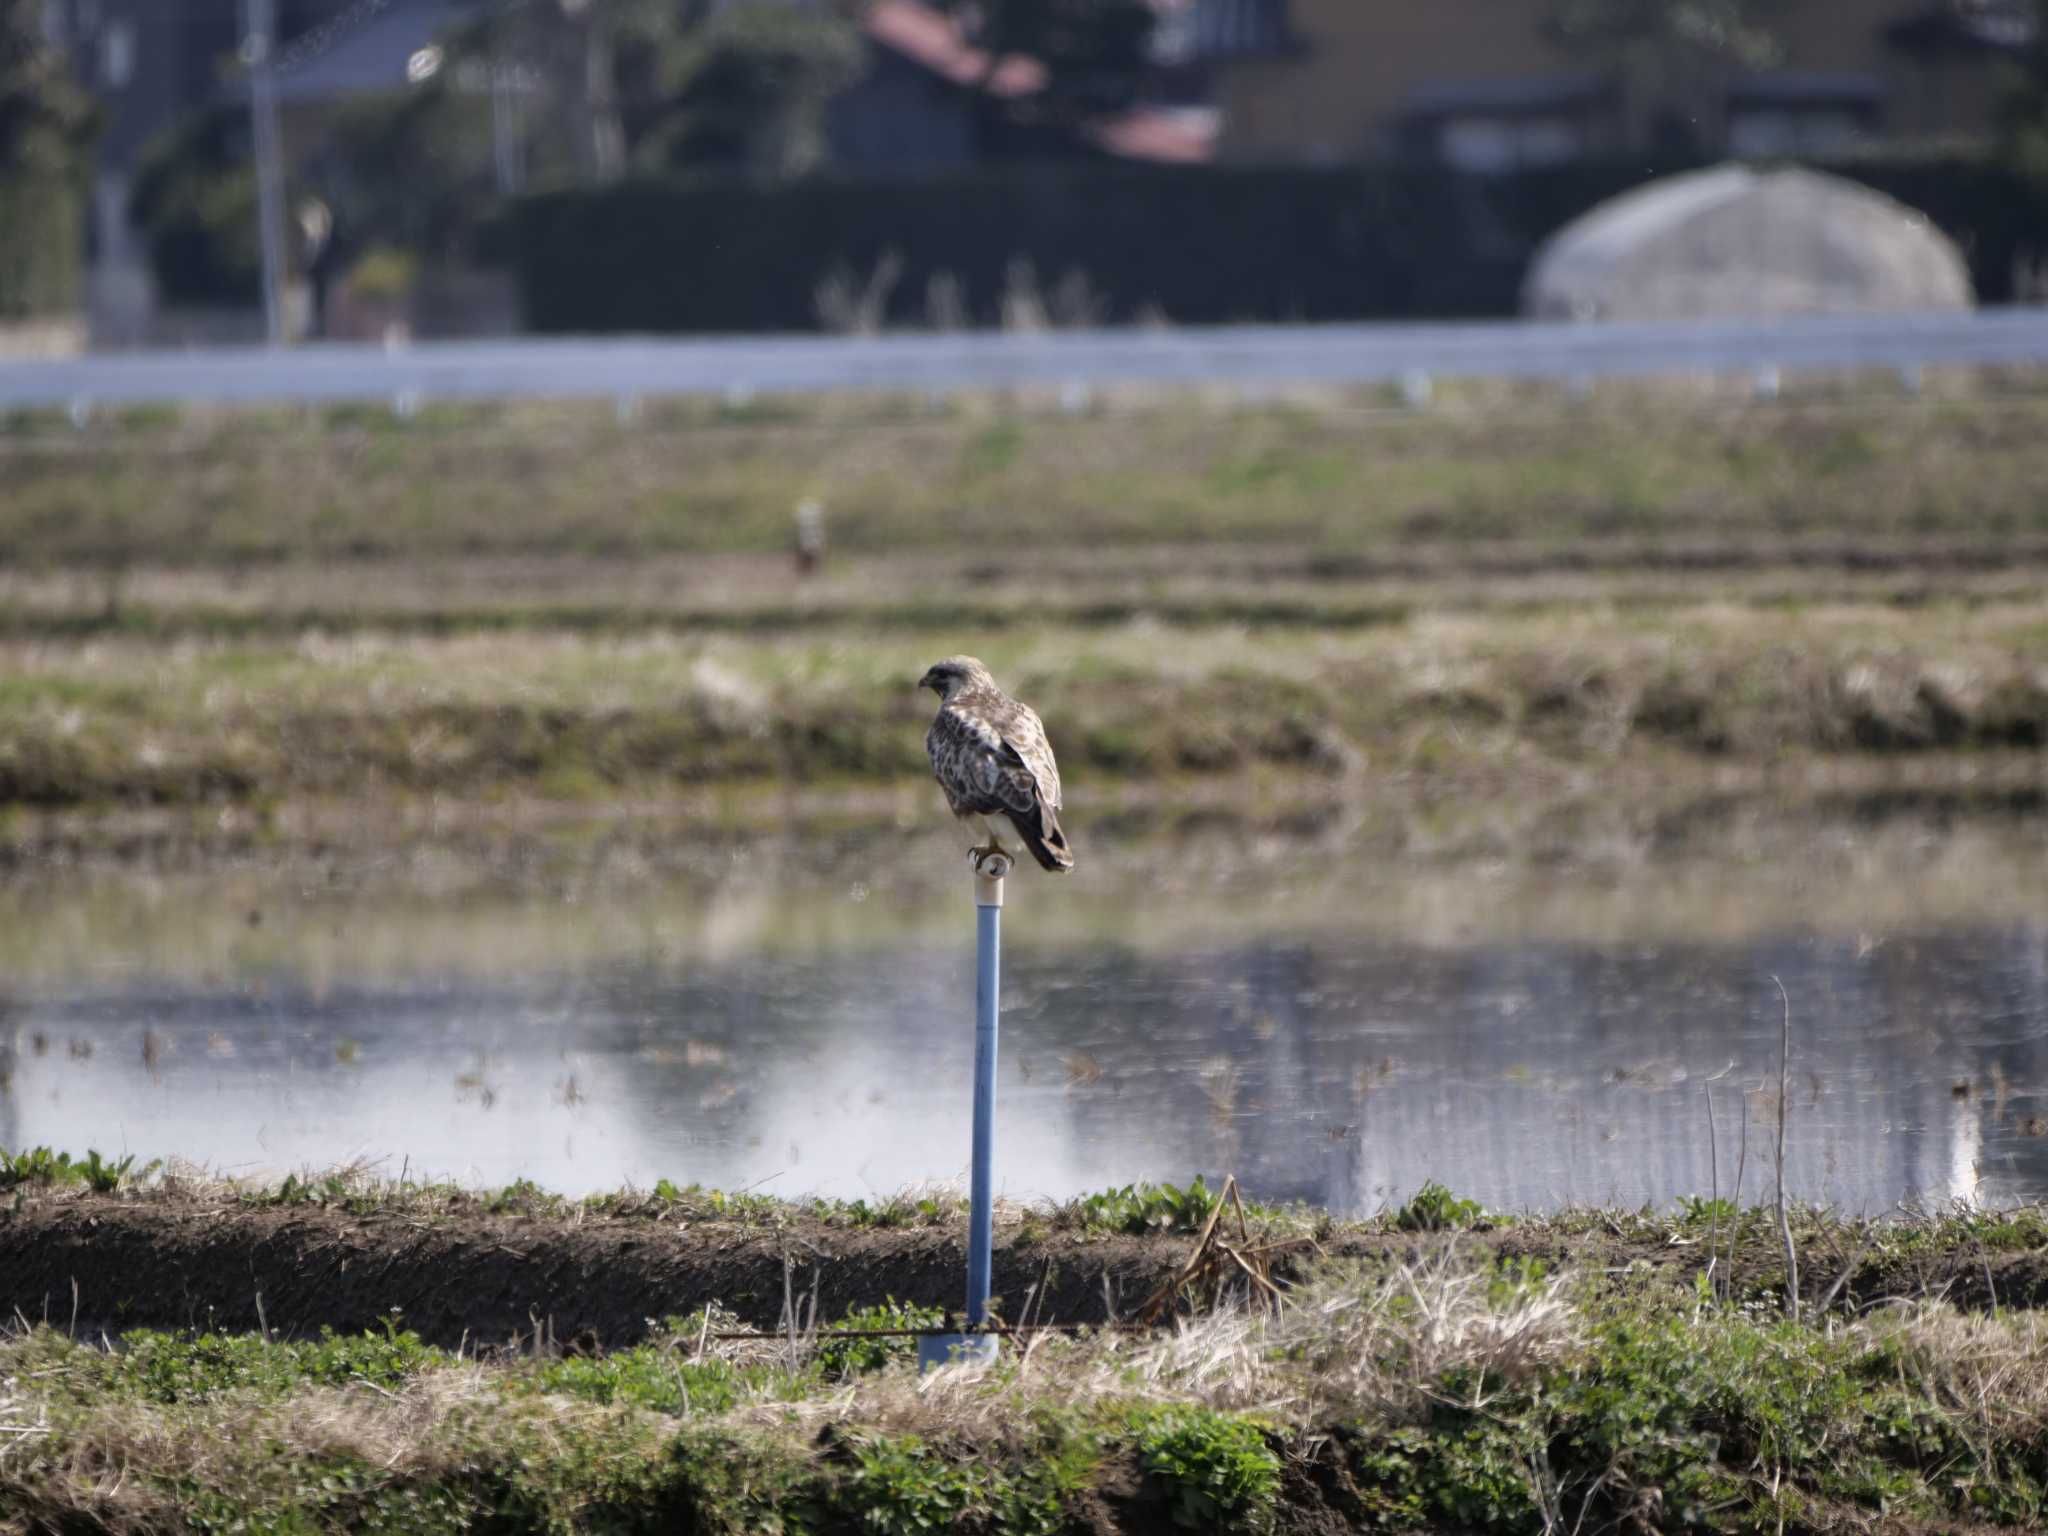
pixel 987 995
pixel 948 1348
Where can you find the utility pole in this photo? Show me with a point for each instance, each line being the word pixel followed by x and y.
pixel 507 149
pixel 259 53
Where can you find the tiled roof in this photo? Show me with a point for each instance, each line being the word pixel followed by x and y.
pixel 367 52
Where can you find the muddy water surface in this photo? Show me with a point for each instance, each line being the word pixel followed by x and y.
pixel 1531 1029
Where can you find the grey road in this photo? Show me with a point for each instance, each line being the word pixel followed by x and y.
pixel 1246 355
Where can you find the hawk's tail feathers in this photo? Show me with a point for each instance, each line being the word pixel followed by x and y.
pixel 1048 844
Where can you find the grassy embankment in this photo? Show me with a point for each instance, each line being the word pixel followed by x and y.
pixel 1006 485
pixel 542 602
pixel 1442 1370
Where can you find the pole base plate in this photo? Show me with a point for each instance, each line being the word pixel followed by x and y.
pixel 937 1349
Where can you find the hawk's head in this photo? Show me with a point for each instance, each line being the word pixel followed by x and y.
pixel 947 678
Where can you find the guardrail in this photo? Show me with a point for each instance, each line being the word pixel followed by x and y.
pixel 628 369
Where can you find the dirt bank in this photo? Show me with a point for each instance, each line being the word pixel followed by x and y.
pixel 170 1262
pixel 164 1263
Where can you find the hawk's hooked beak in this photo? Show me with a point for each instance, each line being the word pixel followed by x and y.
pixel 931 680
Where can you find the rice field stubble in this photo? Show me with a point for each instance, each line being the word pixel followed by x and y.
pixel 254 609
pixel 1467 704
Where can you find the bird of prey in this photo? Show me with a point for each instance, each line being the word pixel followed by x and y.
pixel 990 756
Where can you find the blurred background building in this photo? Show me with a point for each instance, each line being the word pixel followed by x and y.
pixel 462 166
pixel 1494 86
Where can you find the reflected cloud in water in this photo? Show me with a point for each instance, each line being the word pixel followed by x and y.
pixel 1344 1071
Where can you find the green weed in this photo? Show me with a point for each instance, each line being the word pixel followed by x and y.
pixel 653 1377
pixel 1702 1211
pixel 1142 1208
pixel 36 1165
pixel 40 1165
pixel 330 1190
pixel 1218 1471
pixel 1470 1475
pixel 882 1214
pixel 1514 1278
pixel 1434 1208
pixel 735 1485
pixel 897 1487
pixel 695 1202
pixel 183 1368
pixel 843 1357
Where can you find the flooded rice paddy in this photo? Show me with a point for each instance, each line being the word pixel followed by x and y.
pixel 1329 1018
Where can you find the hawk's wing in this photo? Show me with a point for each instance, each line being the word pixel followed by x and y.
pixel 1024 736
pixel 989 762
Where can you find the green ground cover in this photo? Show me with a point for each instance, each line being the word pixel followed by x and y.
pixel 1338 474
pixel 1449 1386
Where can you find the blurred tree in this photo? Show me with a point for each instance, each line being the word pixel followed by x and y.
pixel 1096 52
pixel 46 127
pixel 575 49
pixel 194 202
pixel 1673 54
pixel 412 169
pixel 45 119
pixel 665 83
pixel 2023 114
pixel 598 87
pixel 411 173
pixel 751 87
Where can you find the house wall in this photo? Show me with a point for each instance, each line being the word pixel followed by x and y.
pixel 1342 96
pixel 1947 95
pixel 148 64
pixel 1339 97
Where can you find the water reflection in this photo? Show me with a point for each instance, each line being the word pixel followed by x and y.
pixel 1343 1069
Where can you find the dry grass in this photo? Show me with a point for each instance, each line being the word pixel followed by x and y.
pixel 1535 700
pixel 112 1460
pixel 1448 1379
pixel 1347 1346
pixel 1987 1368
pixel 124 1465
pixel 533 479
pixel 1467 1375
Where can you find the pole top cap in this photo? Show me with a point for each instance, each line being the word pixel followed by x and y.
pixel 989 869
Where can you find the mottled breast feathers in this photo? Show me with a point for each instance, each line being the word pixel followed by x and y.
pixel 991 757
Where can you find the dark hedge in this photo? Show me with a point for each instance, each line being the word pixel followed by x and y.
pixel 1198 244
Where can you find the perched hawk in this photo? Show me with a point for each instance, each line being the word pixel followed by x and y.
pixel 991 758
